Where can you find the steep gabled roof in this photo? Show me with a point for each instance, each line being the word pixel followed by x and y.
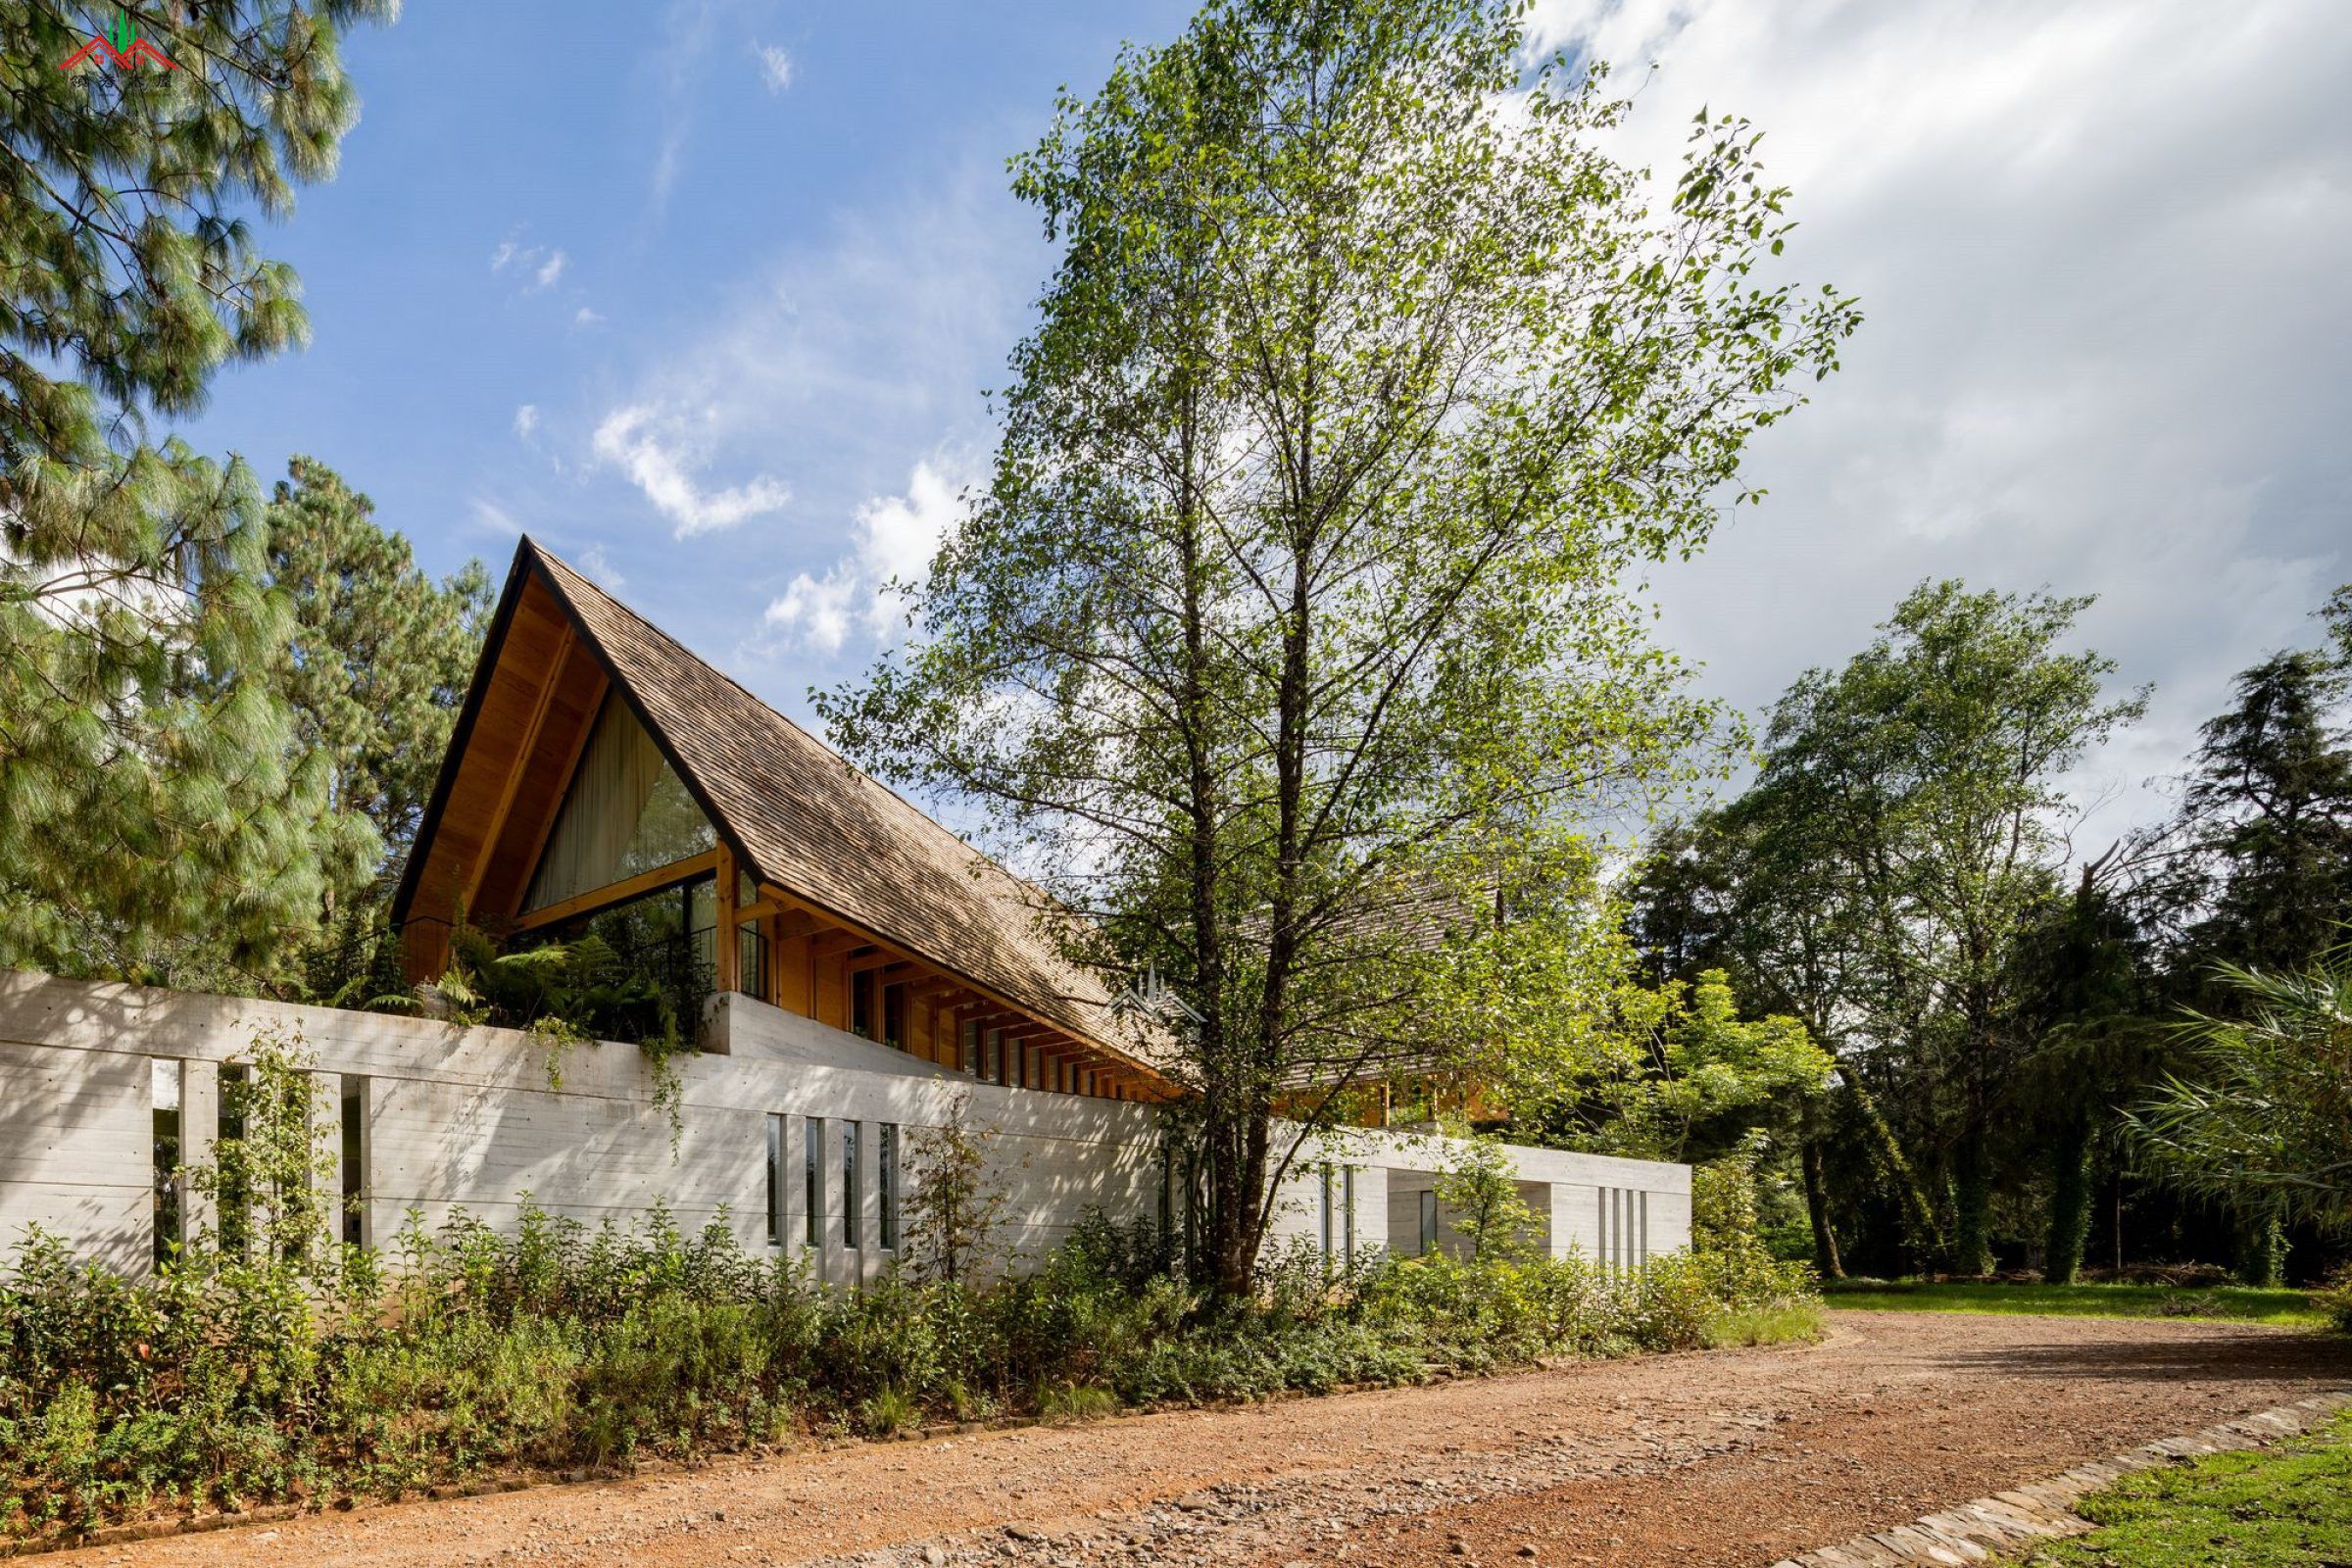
pixel 802 818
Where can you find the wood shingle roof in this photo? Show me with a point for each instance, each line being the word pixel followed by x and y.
pixel 806 822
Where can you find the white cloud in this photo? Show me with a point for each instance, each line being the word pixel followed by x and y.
pixel 2097 267
pixel 539 264
pixel 892 539
pixel 527 419
pixel 662 453
pixel 584 318
pixel 491 517
pixel 775 67
pixel 592 561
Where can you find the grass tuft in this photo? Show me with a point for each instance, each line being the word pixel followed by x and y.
pixel 2227 1303
pixel 1770 1325
pixel 2272 1508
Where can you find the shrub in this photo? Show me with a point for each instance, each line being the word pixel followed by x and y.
pixel 2335 1300
pixel 262 1374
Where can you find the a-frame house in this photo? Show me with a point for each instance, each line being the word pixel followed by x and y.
pixel 603 779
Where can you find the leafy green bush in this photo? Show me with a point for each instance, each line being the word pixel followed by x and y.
pixel 2335 1300
pixel 255 1369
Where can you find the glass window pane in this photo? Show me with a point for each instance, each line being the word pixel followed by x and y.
pixel 627 811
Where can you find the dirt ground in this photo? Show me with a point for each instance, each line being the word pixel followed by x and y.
pixel 1735 1458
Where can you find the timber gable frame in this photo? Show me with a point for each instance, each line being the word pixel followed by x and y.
pixel 841 876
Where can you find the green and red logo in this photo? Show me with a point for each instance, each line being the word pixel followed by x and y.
pixel 121 41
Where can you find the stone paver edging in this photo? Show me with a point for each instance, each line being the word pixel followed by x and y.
pixel 2009 1522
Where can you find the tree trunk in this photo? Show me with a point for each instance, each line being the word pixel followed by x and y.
pixel 1972 1207
pixel 2070 1202
pixel 1825 1261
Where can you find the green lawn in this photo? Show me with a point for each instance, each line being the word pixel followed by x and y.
pixel 2232 1302
pixel 2291 1504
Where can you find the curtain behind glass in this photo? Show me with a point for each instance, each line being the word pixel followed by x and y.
pixel 627 812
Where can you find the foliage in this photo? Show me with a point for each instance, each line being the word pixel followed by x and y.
pixel 1478 1188
pixel 1907 827
pixel 328 1375
pixel 956 1197
pixel 157 819
pixel 378 655
pixel 566 992
pixel 2334 1299
pixel 1363 386
pixel 2283 1507
pixel 2265 1108
pixel 2220 1303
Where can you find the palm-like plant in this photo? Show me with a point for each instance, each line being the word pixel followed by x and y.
pixel 2266 1114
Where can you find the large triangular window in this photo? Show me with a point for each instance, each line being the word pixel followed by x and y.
pixel 627 812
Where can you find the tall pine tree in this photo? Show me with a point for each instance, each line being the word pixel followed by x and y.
pixel 153 805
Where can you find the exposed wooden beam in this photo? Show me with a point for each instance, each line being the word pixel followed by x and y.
pixel 619 892
pixel 521 763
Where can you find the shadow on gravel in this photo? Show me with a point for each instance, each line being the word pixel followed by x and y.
pixel 2192 1357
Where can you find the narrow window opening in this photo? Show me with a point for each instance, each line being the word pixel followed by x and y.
pixel 849 1184
pixel 894 1016
pixel 1347 1199
pixel 164 1086
pixel 353 1162
pixel 886 1184
pixel 233 1202
pixel 1429 1220
pixel 1323 1202
pixel 971 1047
pixel 862 1004
pixel 775 1181
pixel 813 1179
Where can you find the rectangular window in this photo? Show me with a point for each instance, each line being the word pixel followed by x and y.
pixel 1607 1256
pixel 992 1057
pixel 813 1178
pixel 750 960
pixel 1348 1200
pixel 971 1046
pixel 353 1164
pixel 775 1181
pixel 862 1004
pixel 1428 1221
pixel 163 1081
pixel 234 1202
pixel 894 1016
pixel 1323 1207
pixel 849 1184
pixel 886 1183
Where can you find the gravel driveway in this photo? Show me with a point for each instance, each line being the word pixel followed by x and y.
pixel 1734 1458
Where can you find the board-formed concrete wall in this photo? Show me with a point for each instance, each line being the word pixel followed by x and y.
pixel 479 1119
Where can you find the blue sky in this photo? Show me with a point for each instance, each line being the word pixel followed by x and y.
pixel 706 294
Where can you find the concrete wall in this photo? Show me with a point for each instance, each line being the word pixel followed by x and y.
pixel 468 1118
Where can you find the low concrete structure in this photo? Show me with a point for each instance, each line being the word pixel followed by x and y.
pixel 440 1118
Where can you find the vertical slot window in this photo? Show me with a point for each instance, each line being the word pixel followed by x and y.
pixel 812 1180
pixel 1323 1206
pixel 894 1016
pixel 775 1181
pixel 1348 1210
pixel 164 1084
pixel 886 1184
pixel 234 1202
pixel 353 1098
pixel 971 1046
pixel 1428 1221
pixel 862 1004
pixel 849 1184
